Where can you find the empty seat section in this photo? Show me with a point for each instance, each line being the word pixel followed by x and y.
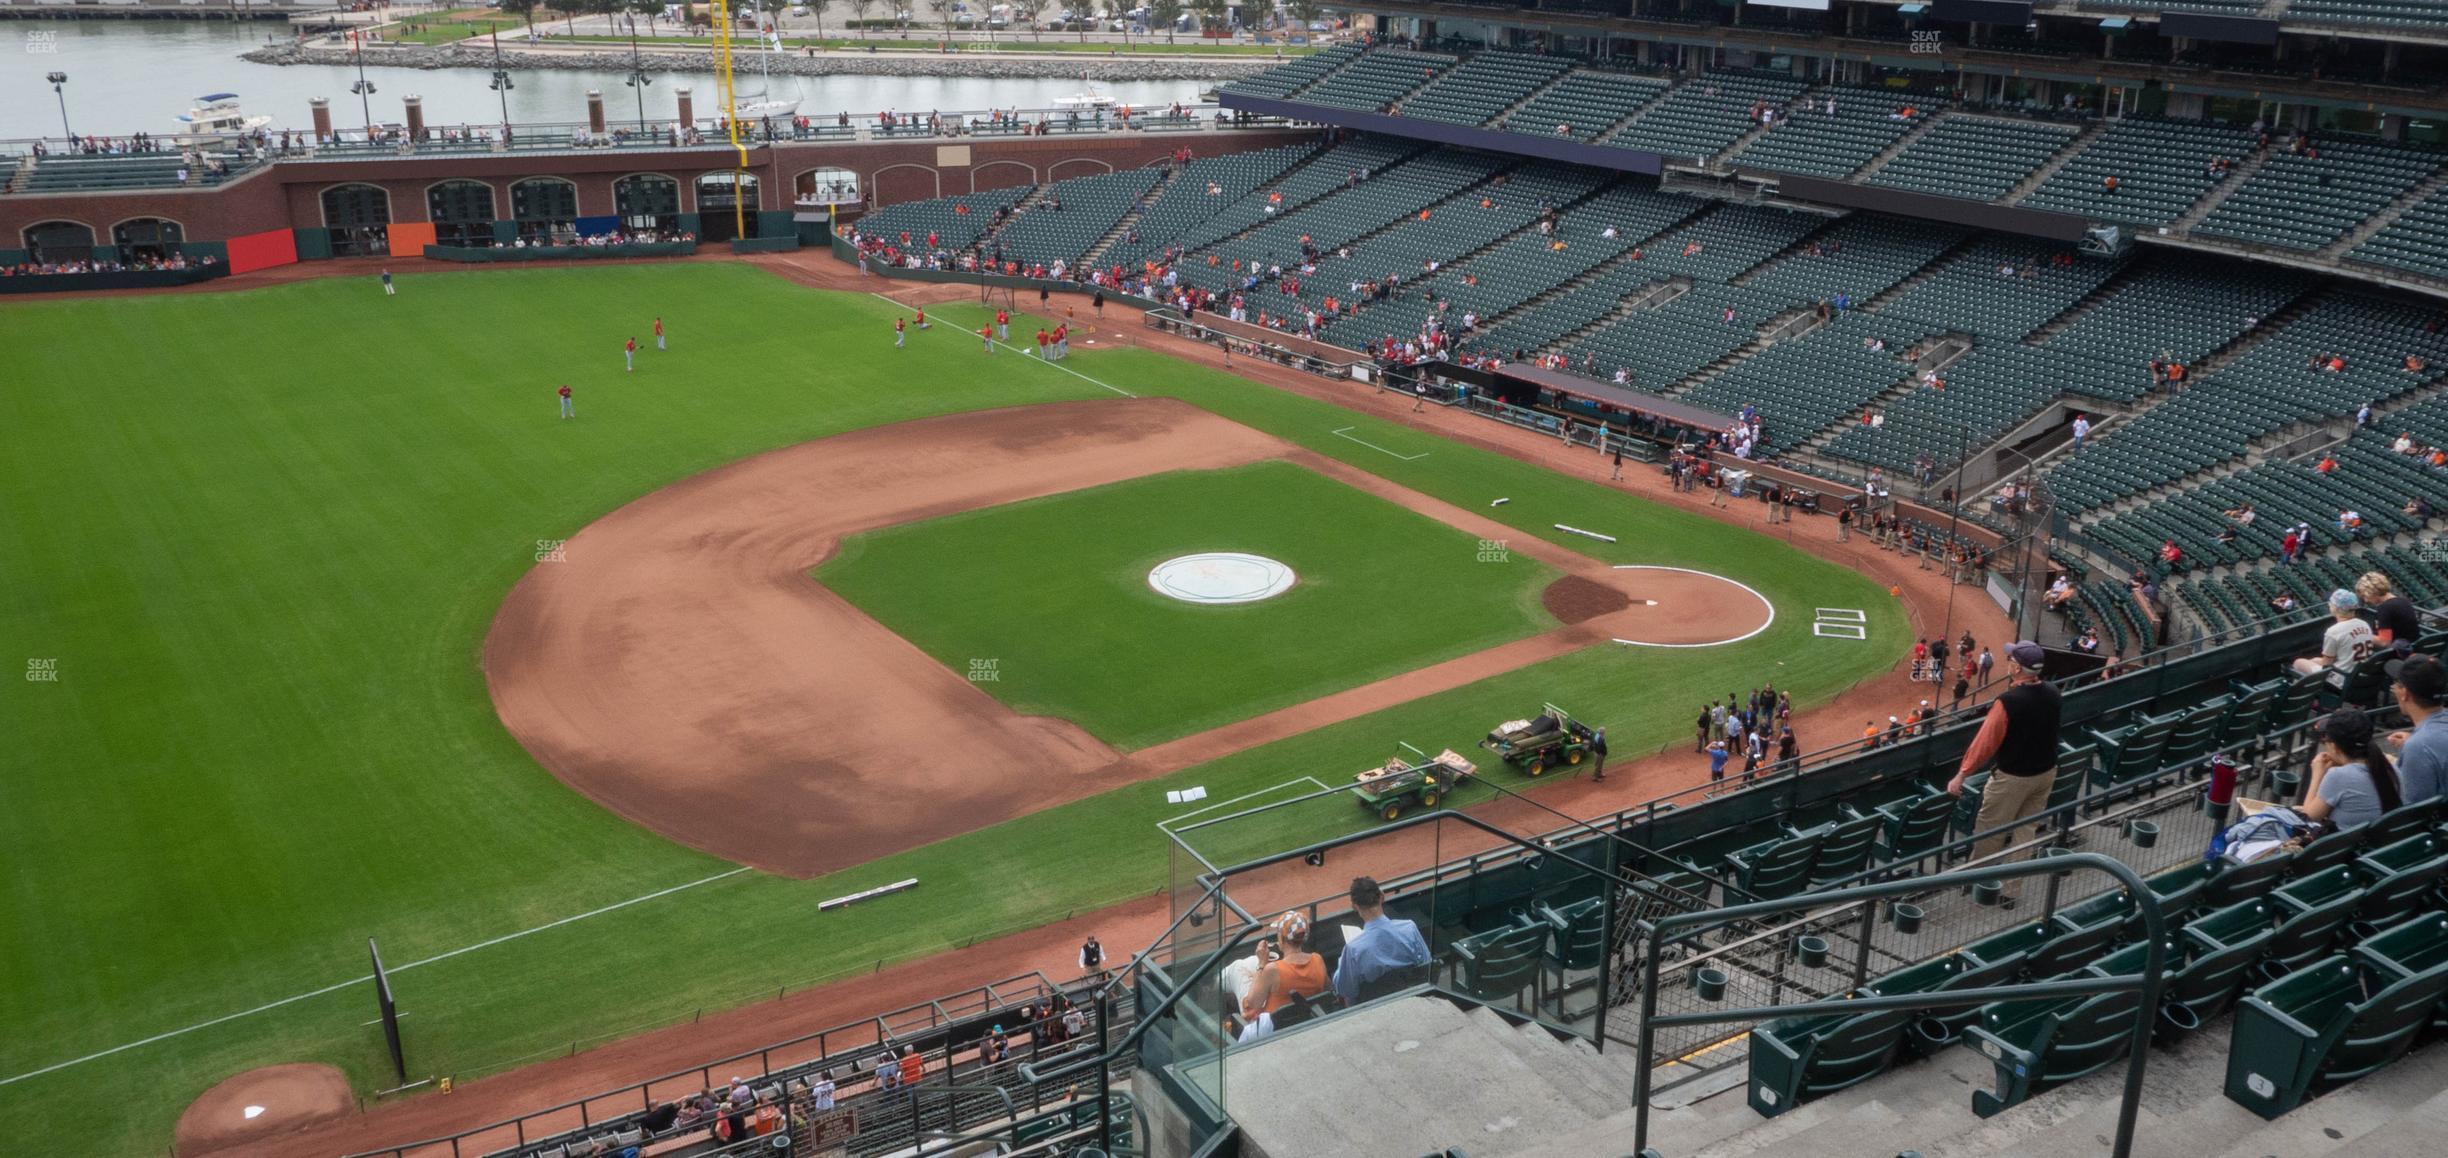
pixel 2002 287
pixel 2272 384
pixel 1377 79
pixel 1205 188
pixel 2416 242
pixel 1705 114
pixel 1473 92
pixel 1070 216
pixel 1584 104
pixel 1287 79
pixel 1818 143
pixel 2160 168
pixel 1861 257
pixel 1803 385
pixel 954 223
pixel 1978 158
pixel 2307 201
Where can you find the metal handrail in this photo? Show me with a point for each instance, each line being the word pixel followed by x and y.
pixel 2146 983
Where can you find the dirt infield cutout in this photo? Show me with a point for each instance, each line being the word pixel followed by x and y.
pixel 683 669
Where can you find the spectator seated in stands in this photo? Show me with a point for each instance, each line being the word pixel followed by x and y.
pixel 2351 781
pixel 2060 592
pixel 1385 944
pixel 2421 686
pixel 2395 622
pixel 1291 973
pixel 2344 641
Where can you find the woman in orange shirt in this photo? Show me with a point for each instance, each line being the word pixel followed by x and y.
pixel 1295 972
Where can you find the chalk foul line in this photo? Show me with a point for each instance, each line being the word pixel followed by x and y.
pixel 334 988
pixel 1346 432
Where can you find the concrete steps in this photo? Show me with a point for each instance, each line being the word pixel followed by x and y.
pixel 2072 149
pixel 2236 176
pixel 2373 224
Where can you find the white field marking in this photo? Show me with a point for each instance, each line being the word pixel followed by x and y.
pixel 270 1005
pixel 1312 781
pixel 1720 578
pixel 1586 534
pixel 1346 433
pixel 1839 630
pixel 1031 357
pixel 1843 615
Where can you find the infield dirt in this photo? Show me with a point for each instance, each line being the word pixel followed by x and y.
pixel 678 665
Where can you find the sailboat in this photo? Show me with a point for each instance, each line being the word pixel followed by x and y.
pixel 758 105
pixel 1089 97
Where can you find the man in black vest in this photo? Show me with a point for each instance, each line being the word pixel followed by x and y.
pixel 2020 734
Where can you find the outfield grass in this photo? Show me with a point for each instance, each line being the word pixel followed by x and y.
pixel 1055 592
pixel 264 567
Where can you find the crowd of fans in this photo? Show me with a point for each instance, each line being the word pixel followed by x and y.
pixel 129 263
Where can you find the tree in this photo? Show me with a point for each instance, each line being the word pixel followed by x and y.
pixel 568 10
pixel 943 9
pixel 1167 13
pixel 1212 13
pixel 773 10
pixel 1031 11
pixel 858 14
pixel 652 10
pixel 610 10
pixel 521 8
pixel 1305 12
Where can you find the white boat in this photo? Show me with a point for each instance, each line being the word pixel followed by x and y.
pixel 761 104
pixel 216 117
pixel 1088 97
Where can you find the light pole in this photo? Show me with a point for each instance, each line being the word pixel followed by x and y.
pixel 637 78
pixel 501 85
pixel 59 88
pixel 364 89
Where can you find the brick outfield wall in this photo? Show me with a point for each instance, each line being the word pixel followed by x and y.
pixel 288 195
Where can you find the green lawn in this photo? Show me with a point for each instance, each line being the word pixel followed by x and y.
pixel 1055 592
pixel 262 534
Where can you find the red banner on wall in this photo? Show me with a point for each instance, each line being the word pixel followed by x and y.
pixel 262 250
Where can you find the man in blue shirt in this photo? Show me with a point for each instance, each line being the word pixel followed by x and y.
pixel 1383 946
pixel 2422 762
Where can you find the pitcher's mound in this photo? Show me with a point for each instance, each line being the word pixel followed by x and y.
pixel 257 1104
pixel 1573 599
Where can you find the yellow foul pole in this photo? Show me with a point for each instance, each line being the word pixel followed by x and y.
pixel 730 104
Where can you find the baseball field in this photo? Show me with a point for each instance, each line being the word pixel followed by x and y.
pixel 333 629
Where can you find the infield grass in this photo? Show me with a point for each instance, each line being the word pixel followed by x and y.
pixel 262 534
pixel 1053 594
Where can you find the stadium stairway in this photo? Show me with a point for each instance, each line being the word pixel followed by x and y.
pixel 1908 140
pixel 1122 227
pixel 1782 326
pixel 1648 297
pixel 2377 222
pixel 2236 178
pixel 2064 156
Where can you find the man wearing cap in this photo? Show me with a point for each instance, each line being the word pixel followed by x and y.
pixel 2344 639
pixel 2020 734
pixel 2421 684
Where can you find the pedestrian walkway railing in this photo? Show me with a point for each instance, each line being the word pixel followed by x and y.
pixel 1707 984
pixel 942 1029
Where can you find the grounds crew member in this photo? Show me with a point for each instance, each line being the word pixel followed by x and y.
pixel 2020 734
